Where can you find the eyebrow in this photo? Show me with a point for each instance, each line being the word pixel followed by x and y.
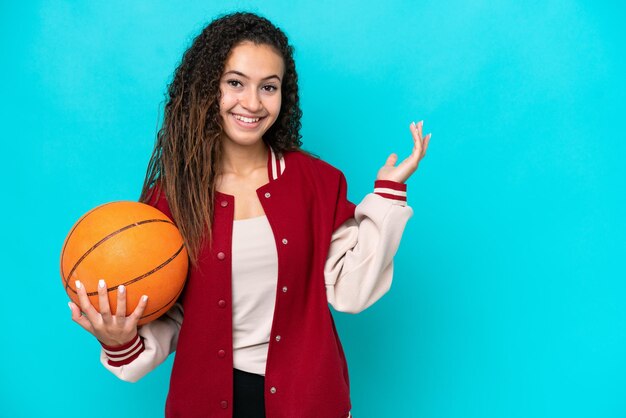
pixel 245 76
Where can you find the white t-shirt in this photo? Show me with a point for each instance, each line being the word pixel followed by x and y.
pixel 254 279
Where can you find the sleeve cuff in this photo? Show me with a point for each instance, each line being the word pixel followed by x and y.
pixel 391 190
pixel 123 354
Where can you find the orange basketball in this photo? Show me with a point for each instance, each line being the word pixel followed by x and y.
pixel 127 243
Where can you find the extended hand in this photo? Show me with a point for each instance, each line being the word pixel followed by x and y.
pixel 407 167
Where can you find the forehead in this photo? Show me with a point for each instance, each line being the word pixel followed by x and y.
pixel 255 60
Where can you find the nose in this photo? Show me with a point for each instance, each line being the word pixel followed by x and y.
pixel 251 100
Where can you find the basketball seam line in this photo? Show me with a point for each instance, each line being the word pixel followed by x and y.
pixel 72 231
pixel 67 280
pixel 142 276
pixel 163 307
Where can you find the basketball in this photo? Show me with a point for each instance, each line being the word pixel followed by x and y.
pixel 127 243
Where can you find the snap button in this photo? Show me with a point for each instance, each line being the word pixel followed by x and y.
pixel 267 194
pixel 285 241
pixel 272 390
pixel 221 255
pixel 284 289
pixel 221 303
pixel 224 404
pixel 221 353
pixel 224 203
pixel 278 338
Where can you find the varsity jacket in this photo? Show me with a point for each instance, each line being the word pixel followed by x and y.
pixel 329 251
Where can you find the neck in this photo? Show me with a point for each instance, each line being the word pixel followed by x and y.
pixel 243 160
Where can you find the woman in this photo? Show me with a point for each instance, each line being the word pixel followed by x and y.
pixel 271 236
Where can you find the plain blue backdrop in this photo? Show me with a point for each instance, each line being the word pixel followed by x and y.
pixel 509 288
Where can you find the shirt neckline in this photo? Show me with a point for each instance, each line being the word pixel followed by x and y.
pixel 275 170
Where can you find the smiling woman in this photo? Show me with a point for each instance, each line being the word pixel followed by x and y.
pixel 271 236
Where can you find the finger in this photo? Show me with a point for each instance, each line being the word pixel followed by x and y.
pixel 79 318
pixel 141 306
pixel 418 150
pixel 103 301
pixel 391 160
pixel 414 132
pixel 416 154
pixel 425 145
pixel 409 163
pixel 85 303
pixel 417 146
pixel 120 313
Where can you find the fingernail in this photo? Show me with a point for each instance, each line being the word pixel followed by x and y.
pixel 69 304
pixel 421 122
pixel 101 283
pixel 78 284
pixel 413 123
pixel 121 288
pixel 144 298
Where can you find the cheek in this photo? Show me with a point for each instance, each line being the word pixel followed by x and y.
pixel 275 105
pixel 227 101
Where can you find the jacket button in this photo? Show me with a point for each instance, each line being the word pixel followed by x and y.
pixel 224 203
pixel 272 390
pixel 221 353
pixel 278 338
pixel 267 194
pixel 285 241
pixel 224 404
pixel 284 289
pixel 221 255
pixel 221 303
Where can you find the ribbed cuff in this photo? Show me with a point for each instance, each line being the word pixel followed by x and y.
pixel 121 355
pixel 391 190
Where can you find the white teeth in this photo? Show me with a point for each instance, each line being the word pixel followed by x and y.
pixel 245 119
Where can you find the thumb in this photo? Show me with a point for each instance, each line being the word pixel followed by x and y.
pixel 79 318
pixel 391 160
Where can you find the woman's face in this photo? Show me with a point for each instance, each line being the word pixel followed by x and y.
pixel 251 92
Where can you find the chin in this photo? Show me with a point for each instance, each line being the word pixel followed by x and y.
pixel 242 139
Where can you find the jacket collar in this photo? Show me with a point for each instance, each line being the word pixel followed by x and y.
pixel 275 164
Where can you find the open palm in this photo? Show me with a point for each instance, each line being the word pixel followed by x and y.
pixel 403 171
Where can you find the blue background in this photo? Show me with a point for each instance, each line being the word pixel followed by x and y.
pixel 508 296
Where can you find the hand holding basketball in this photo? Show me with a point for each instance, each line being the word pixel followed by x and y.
pixel 109 328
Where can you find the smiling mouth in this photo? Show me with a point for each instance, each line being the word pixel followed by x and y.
pixel 246 119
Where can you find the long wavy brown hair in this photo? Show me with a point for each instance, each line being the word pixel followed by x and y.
pixel 187 155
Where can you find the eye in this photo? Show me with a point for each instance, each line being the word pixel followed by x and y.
pixel 233 83
pixel 270 88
